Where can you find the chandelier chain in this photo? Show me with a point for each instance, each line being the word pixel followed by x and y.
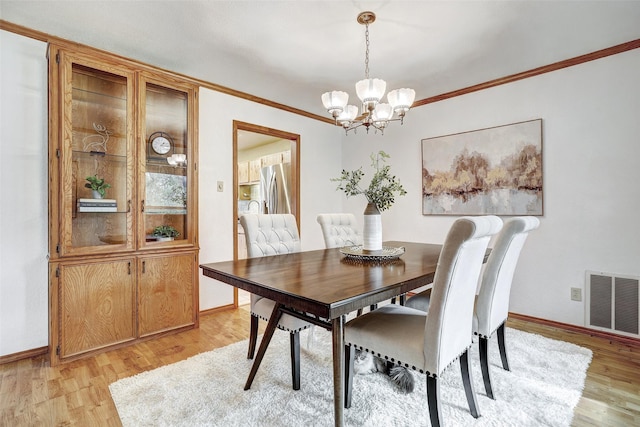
pixel 366 52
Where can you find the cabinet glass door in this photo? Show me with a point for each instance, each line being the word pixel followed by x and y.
pixel 96 159
pixel 165 187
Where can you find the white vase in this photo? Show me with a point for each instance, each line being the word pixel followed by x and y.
pixel 372 231
pixel 96 194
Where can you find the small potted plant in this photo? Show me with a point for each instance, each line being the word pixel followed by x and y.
pixel 98 186
pixel 380 195
pixel 165 232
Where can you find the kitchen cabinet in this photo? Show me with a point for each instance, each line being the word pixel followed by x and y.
pixel 112 281
pixel 249 172
pixel 254 170
pixel 243 172
pixel 271 159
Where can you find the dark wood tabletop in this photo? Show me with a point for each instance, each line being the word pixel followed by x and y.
pixel 326 284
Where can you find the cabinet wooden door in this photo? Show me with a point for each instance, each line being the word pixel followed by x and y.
pixel 271 159
pixel 97 305
pixel 243 172
pixel 254 170
pixel 96 107
pixel 167 184
pixel 167 292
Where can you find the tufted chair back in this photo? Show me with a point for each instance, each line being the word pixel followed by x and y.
pixel 270 234
pixel 339 230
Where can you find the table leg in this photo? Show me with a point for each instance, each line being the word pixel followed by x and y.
pixel 338 369
pixel 266 339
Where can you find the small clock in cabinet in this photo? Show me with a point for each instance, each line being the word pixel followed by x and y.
pixel 160 145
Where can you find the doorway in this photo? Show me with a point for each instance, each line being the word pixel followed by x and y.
pixel 256 149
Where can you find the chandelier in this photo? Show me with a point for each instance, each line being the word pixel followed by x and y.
pixel 375 114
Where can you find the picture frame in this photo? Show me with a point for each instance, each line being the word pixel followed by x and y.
pixel 490 171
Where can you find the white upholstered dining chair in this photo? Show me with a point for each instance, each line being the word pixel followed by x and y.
pixel 492 302
pixel 339 230
pixel 430 343
pixel 275 234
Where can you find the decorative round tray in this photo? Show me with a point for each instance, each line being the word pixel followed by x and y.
pixel 358 253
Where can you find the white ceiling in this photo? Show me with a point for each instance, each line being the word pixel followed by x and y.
pixel 292 51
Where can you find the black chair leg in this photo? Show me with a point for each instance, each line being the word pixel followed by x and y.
pixel 373 307
pixel 433 400
pixel 349 357
pixel 483 346
pixel 467 381
pixel 403 299
pixel 503 348
pixel 295 359
pixel 253 336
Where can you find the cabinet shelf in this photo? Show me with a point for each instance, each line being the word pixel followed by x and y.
pixel 97 155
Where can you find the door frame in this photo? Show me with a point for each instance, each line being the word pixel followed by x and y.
pixel 295 174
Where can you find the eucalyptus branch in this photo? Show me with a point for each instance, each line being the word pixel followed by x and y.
pixel 383 186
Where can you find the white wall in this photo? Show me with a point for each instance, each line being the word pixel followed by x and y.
pixel 319 159
pixel 591 175
pixel 24 305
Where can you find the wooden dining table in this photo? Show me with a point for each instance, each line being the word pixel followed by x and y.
pixel 323 286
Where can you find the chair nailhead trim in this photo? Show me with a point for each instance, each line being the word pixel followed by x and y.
pixel 281 327
pixel 405 364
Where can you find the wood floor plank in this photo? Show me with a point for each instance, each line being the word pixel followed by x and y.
pixel 77 393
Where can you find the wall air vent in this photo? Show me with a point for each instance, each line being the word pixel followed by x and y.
pixel 613 303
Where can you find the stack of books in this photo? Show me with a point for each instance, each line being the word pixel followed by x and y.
pixel 97 205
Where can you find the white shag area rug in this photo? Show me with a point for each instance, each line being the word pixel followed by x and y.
pixel 542 389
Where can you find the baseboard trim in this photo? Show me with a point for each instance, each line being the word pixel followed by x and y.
pixel 634 342
pixel 27 354
pixel 217 309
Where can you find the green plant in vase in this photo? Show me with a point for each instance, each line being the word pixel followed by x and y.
pixel 380 194
pixel 383 187
pixel 98 185
pixel 165 232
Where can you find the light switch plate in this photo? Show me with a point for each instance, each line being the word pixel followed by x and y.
pixel 576 294
pixel 220 186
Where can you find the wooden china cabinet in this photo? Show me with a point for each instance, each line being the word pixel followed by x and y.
pixel 112 281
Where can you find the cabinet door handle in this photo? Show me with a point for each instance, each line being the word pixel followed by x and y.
pixel 129 268
pixel 128 206
pixel 142 205
pixel 144 265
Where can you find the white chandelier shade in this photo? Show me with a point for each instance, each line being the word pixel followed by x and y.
pixel 401 99
pixel 375 113
pixel 371 90
pixel 349 114
pixel 335 101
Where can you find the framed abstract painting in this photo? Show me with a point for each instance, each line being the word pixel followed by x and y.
pixel 492 171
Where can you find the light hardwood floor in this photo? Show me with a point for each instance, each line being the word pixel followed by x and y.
pixel 77 393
